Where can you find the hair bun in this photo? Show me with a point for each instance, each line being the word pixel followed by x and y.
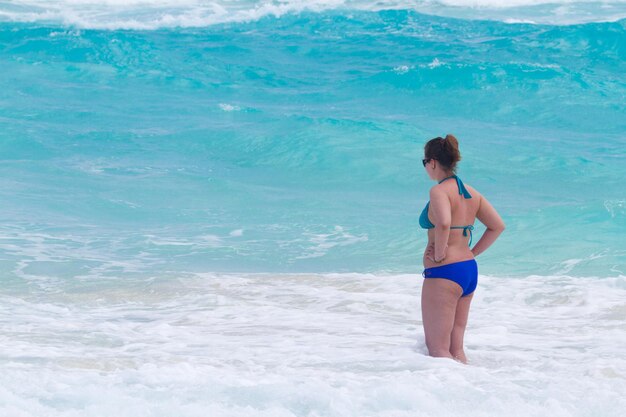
pixel 451 140
pixel 452 146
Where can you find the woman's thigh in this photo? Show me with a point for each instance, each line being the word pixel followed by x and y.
pixel 439 301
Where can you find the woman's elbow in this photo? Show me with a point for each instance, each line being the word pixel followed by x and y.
pixel 497 228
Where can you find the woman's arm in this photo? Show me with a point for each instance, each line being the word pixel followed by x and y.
pixel 442 216
pixel 490 218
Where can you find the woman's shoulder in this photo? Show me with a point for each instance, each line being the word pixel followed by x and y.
pixel 473 191
pixel 436 189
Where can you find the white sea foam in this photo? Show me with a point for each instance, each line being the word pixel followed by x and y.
pixel 151 14
pixel 321 243
pixel 436 63
pixel 229 107
pixel 402 69
pixel 332 345
pixel 615 207
pixel 43 258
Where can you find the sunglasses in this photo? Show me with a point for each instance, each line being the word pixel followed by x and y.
pixel 425 161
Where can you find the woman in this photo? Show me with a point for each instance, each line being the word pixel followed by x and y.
pixel 451 273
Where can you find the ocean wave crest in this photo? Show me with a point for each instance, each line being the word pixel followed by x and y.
pixel 155 14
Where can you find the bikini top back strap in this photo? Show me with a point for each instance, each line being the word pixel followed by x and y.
pixel 469 227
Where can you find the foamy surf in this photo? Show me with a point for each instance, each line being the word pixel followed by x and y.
pixel 310 345
pixel 155 14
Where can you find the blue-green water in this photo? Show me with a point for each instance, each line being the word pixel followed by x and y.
pixel 293 143
pixel 211 207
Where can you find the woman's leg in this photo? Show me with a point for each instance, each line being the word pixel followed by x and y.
pixel 439 304
pixel 458 331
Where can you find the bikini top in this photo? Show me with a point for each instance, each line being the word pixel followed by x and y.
pixel 425 222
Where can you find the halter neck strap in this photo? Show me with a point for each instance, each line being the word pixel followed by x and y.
pixel 462 190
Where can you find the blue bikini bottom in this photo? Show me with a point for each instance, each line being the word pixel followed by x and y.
pixel 464 273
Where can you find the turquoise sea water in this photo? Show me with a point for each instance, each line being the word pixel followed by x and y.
pixel 293 143
pixel 211 208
